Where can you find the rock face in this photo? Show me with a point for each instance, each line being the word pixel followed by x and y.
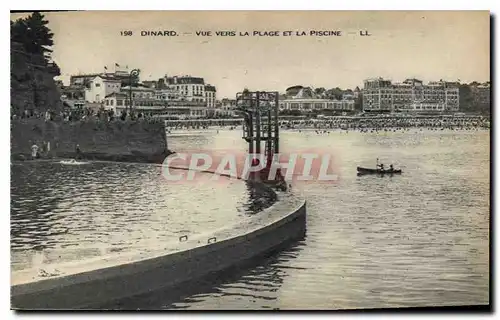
pixel 32 85
pixel 34 90
pixel 130 141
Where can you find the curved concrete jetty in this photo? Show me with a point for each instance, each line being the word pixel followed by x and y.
pixel 99 281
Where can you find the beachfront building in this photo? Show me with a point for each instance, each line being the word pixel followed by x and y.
pixel 189 88
pixel 150 106
pixel 167 94
pixel 411 95
pixel 147 102
pixel 100 87
pixel 310 104
pixel 481 94
pixel 84 79
pixel 225 108
pixel 210 96
pixel 356 92
pixel 377 95
pixel 150 84
pixel 304 99
pixel 143 100
pixel 185 110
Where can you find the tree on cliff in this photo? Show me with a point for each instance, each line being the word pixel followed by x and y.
pixel 32 71
pixel 32 32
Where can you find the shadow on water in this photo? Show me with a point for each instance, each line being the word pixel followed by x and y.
pixel 266 270
pixel 64 212
pixel 259 198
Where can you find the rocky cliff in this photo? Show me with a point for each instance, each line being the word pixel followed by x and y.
pixel 32 85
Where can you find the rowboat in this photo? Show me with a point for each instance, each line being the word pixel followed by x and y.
pixel 362 171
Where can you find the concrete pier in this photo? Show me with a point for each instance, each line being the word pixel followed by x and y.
pixel 92 283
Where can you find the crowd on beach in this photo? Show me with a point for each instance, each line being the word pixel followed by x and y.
pixel 367 124
pixel 390 124
pixel 346 123
pixel 84 114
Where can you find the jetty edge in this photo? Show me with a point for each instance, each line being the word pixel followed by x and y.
pixel 184 264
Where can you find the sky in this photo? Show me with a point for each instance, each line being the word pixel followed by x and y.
pixel 428 45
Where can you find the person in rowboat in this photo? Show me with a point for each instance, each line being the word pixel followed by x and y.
pixel 391 168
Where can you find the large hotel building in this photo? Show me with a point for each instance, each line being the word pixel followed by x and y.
pixel 299 98
pixel 182 96
pixel 381 95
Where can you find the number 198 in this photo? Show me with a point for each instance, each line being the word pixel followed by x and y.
pixel 126 33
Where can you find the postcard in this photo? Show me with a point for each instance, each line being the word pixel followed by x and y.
pixel 250 160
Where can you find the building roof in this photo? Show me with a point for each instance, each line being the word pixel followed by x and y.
pixel 311 100
pixel 108 78
pixel 185 80
pixel 144 89
pixel 88 75
pixel 297 87
pixel 376 79
pixel 150 83
pixel 117 94
pixel 73 87
pixel 292 91
pixel 412 80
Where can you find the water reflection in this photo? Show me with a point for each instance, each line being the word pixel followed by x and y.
pixel 76 212
pixel 419 239
pixel 258 285
pixel 259 198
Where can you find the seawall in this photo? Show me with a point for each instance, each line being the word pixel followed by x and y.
pixel 117 140
pixel 178 264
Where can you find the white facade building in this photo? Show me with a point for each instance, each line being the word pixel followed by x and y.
pixel 210 96
pixel 146 102
pixel 316 104
pixel 377 95
pixel 167 94
pixel 225 108
pixel 193 89
pixel 189 88
pixel 100 87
